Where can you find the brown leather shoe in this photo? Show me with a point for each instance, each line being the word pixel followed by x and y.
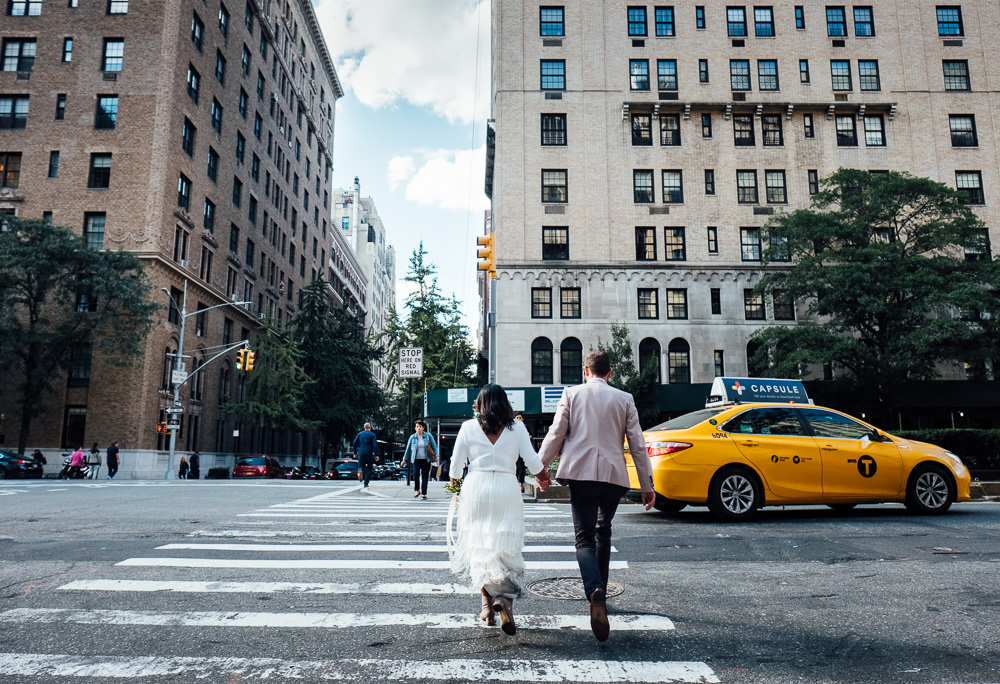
pixel 487 615
pixel 505 607
pixel 599 615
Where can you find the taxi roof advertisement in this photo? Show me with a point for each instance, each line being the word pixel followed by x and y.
pixel 743 390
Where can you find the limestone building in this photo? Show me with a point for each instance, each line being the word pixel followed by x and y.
pixel 199 135
pixel 636 149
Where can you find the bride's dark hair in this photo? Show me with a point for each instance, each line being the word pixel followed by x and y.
pixel 493 409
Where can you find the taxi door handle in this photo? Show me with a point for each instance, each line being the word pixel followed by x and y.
pixel 828 447
pixel 749 443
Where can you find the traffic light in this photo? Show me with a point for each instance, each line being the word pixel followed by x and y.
pixel 487 252
pixel 161 427
pixel 241 358
pixel 250 357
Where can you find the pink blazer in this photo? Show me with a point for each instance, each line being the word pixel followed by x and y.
pixel 590 427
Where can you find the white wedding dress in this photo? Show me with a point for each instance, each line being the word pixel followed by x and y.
pixel 491 510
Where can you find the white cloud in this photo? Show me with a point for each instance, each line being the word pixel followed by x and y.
pixel 449 179
pixel 399 171
pixel 387 51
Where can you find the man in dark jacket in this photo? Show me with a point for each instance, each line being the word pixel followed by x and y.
pixel 366 448
pixel 194 470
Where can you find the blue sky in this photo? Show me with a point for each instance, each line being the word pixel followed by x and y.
pixel 412 124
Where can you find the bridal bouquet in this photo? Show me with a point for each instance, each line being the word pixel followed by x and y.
pixel 454 487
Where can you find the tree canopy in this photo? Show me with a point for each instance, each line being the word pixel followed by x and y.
pixel 895 273
pixel 641 383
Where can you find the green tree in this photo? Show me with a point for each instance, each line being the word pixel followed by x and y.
pixel 58 298
pixel 625 374
pixel 895 274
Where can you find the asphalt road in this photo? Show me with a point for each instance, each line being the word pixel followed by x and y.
pixel 222 581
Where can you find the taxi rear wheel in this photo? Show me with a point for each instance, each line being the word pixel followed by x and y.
pixel 734 494
pixel 930 491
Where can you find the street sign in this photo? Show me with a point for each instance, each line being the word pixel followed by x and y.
pixel 173 425
pixel 174 409
pixel 178 377
pixel 411 362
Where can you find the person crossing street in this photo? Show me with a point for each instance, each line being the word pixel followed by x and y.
pixel 366 450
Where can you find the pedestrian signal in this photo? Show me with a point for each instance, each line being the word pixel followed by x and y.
pixel 487 252
pixel 161 427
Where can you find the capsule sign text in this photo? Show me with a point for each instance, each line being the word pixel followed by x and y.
pixel 411 362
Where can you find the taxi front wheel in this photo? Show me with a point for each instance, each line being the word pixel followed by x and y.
pixel 930 491
pixel 734 494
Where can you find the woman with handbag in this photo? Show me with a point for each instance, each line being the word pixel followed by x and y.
pixel 420 451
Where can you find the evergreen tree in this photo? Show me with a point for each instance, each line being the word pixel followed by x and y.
pixel 625 375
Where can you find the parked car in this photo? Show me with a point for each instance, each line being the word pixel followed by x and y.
pixel 736 458
pixel 258 466
pixel 304 473
pixel 12 465
pixel 345 470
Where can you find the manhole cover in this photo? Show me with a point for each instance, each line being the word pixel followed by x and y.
pixel 568 588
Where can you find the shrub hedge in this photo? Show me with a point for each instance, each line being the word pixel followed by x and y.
pixel 220 473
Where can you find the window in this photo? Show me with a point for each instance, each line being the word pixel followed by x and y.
pixel 673 187
pixel 216 116
pixel 13 112
pixel 642 133
pixel 763 22
pixel 706 125
pixel 774 187
pixel 746 186
pixel 553 74
pixel 963 130
pixel 571 362
pixel 183 192
pixel 715 301
pixel 100 171
pixel 780 251
pixel 241 146
pixel 193 83
pixel 237 192
pixel 220 67
pixel 554 185
pixel 255 167
pixel 770 129
pixel 223 20
pixel 93 229
pixel 555 243
pixel 541 302
pixel 709 181
pixel 114 51
pixel 767 74
pixel 208 216
pixel 679 362
pixel 60 106
pixel 670 129
pixel 244 99
pixel 642 186
pixel 638 70
pixel 970 186
pixel 675 247
pixel 187 137
pixel 645 243
pixel 80 358
pixel 541 361
pixel 847 135
pixel 739 74
pixel 677 308
pixel 569 302
pixel 753 305
pixel 234 238
pixel 813 176
pixel 666 74
pixel 106 116
pixel 803 71
pixel 117 6
pixel 956 74
pixel 54 164
pixel 868 74
pixel 182 239
pixel 784 306
pixel 252 212
pixel 699 16
pixel 249 255
pixel 551 21
pixel 10 169
pixel 836 22
pixel 807 126
pixel 736 21
pixel 245 61
pixel 720 363
pixel 664 17
pixel 750 244
pixel 258 125
pixel 800 17
pixel 743 130
pixel 649 307
pixel 637 21
pixel 260 86
pixel 949 20
pixel 213 164
pixel 864 22
pixel 703 71
pixel 67 53
pixel 19 54
pixel 25 8
pixel 553 129
pixel 874 130
pixel 197 31
pixel 840 74
pixel 712 233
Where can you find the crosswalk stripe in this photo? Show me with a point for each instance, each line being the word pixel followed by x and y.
pixel 364 548
pixel 333 564
pixel 645 623
pixel 354 513
pixel 200 587
pixel 394 533
pixel 354 670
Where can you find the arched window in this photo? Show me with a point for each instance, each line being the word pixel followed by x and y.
pixel 754 370
pixel 571 362
pixel 224 383
pixel 541 361
pixel 168 366
pixel 649 353
pixel 679 361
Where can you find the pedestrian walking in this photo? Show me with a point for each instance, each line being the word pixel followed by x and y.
pixel 112 454
pixel 420 451
pixel 366 451
pixel 490 513
pixel 182 469
pixel 94 461
pixel 38 456
pixel 591 423
pixel 194 466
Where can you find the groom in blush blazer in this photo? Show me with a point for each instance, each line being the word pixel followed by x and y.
pixel 590 427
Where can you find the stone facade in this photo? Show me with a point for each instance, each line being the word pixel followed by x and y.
pixel 613 122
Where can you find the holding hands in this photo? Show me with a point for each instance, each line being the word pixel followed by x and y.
pixel 543 479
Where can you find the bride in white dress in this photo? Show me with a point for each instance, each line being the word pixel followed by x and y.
pixel 491 510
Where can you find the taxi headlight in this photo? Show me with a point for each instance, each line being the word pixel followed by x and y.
pixel 957 461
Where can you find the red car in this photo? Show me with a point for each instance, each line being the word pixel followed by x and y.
pixel 257 466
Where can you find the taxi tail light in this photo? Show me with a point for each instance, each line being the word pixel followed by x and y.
pixel 664 448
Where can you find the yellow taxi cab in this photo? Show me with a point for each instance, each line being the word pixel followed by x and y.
pixel 736 457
